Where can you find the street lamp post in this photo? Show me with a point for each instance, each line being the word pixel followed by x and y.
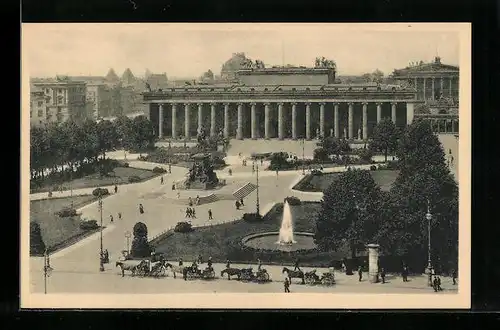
pixel 303 157
pixel 428 216
pixel 257 174
pixel 128 235
pixel 101 254
pixel 47 270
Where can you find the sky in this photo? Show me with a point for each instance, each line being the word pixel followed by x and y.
pixel 188 50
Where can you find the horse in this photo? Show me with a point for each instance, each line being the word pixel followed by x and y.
pixel 158 268
pixel 231 272
pixel 124 265
pixel 293 274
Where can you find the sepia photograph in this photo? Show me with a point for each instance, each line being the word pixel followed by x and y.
pixel 245 165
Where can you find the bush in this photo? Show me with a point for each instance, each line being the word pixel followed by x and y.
pixel 320 154
pixel 125 164
pixel 183 227
pixel 140 247
pixel 365 155
pixel 37 246
pixel 140 230
pixel 67 212
pixel 392 165
pixel 89 225
pixel 252 217
pixel 159 170
pixel 100 192
pixel 293 201
pixel 373 168
pixel 316 172
pixel 133 178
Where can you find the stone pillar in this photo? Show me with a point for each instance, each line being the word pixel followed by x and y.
pixel 266 120
pixel 442 86
pixel 409 113
pixel 280 121
pixel 365 121
pixel 212 120
pixel 336 120
pixel 200 117
pixel 294 121
pixel 160 121
pixel 451 84
pixel 373 262
pixel 174 121
pixel 322 119
pixel 187 123
pixel 226 120
pixel 433 93
pixel 351 121
pixel 253 119
pixel 393 112
pixel 308 121
pixel 379 112
pixel 239 132
pixel 425 87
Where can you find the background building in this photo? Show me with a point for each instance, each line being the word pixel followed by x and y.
pixel 58 100
pixel 98 100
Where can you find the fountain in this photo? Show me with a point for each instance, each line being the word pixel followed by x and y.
pixel 286 230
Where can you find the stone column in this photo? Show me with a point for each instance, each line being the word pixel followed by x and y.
pixel 294 121
pixel 442 85
pixel 187 123
pixel 409 113
pixel 253 120
pixel 425 87
pixel 200 117
pixel 212 120
pixel 239 132
pixel 226 120
pixel 433 93
pixel 365 121
pixel 351 121
pixel 308 121
pixel 451 84
pixel 174 121
pixel 373 262
pixel 160 121
pixel 280 121
pixel 393 112
pixel 336 120
pixel 322 119
pixel 266 120
pixel 379 112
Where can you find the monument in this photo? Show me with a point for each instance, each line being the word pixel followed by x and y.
pixel 373 262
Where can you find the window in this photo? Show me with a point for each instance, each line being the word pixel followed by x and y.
pixel 265 89
pixel 40 113
pixel 40 103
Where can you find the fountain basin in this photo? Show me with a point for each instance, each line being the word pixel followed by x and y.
pixel 268 241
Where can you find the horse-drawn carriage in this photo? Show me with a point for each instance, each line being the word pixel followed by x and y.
pixel 195 273
pixel 152 267
pixel 247 274
pixel 312 278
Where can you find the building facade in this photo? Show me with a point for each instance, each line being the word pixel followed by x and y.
pixel 283 103
pixel 58 100
pixel 437 84
pixel 98 100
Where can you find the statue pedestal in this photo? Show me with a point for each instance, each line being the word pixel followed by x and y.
pixel 373 262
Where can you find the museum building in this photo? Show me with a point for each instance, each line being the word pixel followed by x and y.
pixel 282 103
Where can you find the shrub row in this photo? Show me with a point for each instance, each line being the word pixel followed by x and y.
pixel 252 217
pixel 89 225
pixel 159 170
pixel 133 179
pixel 66 212
pixel 183 227
pixel 100 192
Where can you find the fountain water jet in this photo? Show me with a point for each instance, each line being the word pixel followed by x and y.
pixel 286 230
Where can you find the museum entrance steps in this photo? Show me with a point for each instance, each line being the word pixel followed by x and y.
pixel 248 146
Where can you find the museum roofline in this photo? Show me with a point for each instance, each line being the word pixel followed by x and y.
pixel 286 70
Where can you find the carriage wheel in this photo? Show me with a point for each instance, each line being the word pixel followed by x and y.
pixel 310 280
pixel 264 277
pixel 162 272
pixel 211 274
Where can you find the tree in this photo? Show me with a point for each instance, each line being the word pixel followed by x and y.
pixel 142 133
pixel 320 154
pixel 278 161
pixel 107 137
pixel 377 76
pixel 140 245
pixel 384 137
pixel 37 246
pixel 349 212
pixel 124 131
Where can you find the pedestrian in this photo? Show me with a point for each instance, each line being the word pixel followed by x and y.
pixel 190 202
pixel 169 168
pixel 111 218
pixel 404 273
pixel 454 276
pixel 261 162
pixel 228 263
pixel 296 265
pixel 173 186
pixel 198 200
pixel 435 284
pixel 360 273
pixel 193 213
pixel 200 259
pixel 452 160
pixel 187 212
pixel 237 204
pixel 230 171
pixel 209 263
pixel 119 216
pixel 210 214
pixel 161 180
pixel 141 209
pixel 178 194
pixel 277 172
pixel 241 202
pixel 253 168
pixel 180 262
pixel 382 275
pixel 116 188
pixel 287 285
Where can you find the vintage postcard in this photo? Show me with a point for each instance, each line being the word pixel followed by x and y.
pixel 246 165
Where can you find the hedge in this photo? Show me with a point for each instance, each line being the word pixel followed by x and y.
pixel 252 217
pixel 100 192
pixel 89 225
pixel 158 169
pixel 134 178
pixel 292 200
pixel 183 227
pixel 67 212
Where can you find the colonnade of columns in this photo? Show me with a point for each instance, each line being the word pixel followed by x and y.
pixel 282 112
pixel 441 126
pixel 445 84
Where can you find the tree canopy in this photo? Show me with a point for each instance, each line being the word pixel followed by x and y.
pixel 384 137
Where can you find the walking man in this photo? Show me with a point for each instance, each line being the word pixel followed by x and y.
pixel 237 204
pixel 111 218
pixel 360 273
pixel 119 216
pixel 382 275
pixel 178 194
pixel 241 202
pixel 116 188
pixel 210 214
pixel 287 285
pixel 454 276
pixel 141 209
pixel 404 273
pixel 161 180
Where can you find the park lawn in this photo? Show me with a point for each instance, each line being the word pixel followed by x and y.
pixel 318 183
pixel 119 176
pixel 57 230
pixel 218 241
